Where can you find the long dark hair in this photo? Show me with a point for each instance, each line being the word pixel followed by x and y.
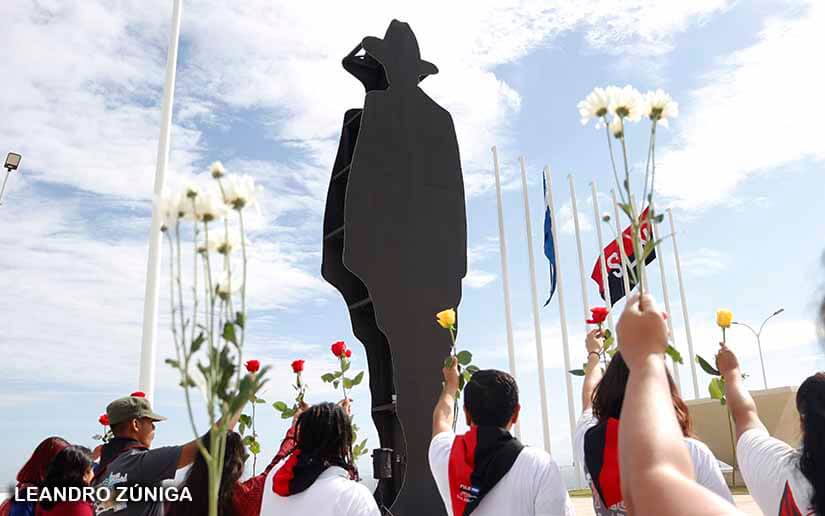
pixel 198 481
pixel 34 470
pixel 325 433
pixel 810 402
pixel 67 470
pixel 608 397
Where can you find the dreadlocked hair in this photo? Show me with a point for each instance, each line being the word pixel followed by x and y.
pixel 810 402
pixel 324 436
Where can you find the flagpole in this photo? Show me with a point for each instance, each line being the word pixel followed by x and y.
pixel 684 305
pixel 545 417
pixel 620 242
pixel 665 293
pixel 571 407
pixel 585 302
pixel 148 350
pixel 603 257
pixel 505 277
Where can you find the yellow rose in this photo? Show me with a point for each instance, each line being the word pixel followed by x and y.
pixel 446 318
pixel 724 318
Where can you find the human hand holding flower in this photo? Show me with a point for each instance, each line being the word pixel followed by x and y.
pixel 726 362
pixel 451 375
pixel 642 330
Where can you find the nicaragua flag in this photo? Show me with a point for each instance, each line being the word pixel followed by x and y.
pixel 615 269
pixel 549 245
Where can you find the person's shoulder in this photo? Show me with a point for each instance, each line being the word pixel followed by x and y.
pixel 536 459
pixel 698 446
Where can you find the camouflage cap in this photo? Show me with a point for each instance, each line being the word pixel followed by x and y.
pixel 131 407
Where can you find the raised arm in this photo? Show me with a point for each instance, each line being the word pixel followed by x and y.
pixel 593 372
pixel 443 413
pixel 656 470
pixel 189 451
pixel 740 403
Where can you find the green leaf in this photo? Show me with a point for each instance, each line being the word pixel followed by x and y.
pixel 607 334
pixel 658 219
pixel 173 363
pixel 612 352
pixel 336 383
pixel 241 428
pixel 461 382
pixel 472 369
pixel 347 383
pixel 577 372
pixel 229 333
pixel 328 377
pixel 288 413
pixel 626 208
pixel 674 354
pixel 245 420
pixel 338 374
pixel 466 375
pixel 280 406
pixel 197 343
pixel 358 378
pixel 464 358
pixel 248 440
pixel 709 369
pixel 260 400
pixel 240 319
pixel 345 365
pixel 716 389
pixel 255 447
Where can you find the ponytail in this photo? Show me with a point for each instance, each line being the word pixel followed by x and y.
pixel 810 402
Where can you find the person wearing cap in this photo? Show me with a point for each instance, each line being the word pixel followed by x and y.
pixel 127 459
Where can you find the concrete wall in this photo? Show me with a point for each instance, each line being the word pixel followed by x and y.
pixel 777 410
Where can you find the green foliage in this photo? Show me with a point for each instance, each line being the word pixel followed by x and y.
pixel 577 372
pixel 705 365
pixel 674 354
pixel 464 358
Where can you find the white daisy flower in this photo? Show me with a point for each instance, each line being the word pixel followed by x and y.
pixel 228 284
pixel 626 103
pixel 169 206
pixel 595 105
pixel 659 107
pixel 240 191
pixel 209 206
pixel 217 170
pixel 616 127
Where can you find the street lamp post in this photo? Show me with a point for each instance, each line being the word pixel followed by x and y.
pixel 758 335
pixel 12 162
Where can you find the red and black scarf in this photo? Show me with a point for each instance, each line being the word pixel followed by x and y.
pixel 301 470
pixel 601 457
pixel 478 460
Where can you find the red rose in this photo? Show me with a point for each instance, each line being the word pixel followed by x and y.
pixel 339 348
pixel 138 394
pixel 297 366
pixel 597 315
pixel 349 353
pixel 253 366
pixel 104 420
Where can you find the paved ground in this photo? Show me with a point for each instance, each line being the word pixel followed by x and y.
pixel 584 505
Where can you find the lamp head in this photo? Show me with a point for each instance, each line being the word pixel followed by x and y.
pixel 12 161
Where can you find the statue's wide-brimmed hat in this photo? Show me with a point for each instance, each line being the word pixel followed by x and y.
pixel 399 41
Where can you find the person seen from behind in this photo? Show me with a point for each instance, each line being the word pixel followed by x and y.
pixel 72 467
pixel 597 431
pixel 488 472
pixel 31 475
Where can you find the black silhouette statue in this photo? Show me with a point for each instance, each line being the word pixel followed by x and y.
pixel 395 246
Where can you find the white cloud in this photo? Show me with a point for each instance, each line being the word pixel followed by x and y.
pixel 476 254
pixel 705 262
pixel 757 112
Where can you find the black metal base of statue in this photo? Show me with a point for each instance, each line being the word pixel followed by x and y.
pixel 395 246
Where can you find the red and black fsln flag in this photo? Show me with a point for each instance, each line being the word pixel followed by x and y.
pixel 614 262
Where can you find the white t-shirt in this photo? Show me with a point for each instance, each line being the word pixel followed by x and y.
pixel 769 465
pixel 532 487
pixel 332 494
pixel 705 466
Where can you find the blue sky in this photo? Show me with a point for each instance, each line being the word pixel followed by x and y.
pixel 260 87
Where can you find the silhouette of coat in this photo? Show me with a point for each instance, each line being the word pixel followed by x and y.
pixel 404 248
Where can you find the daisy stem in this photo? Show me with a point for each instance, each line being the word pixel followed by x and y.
pixel 612 159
